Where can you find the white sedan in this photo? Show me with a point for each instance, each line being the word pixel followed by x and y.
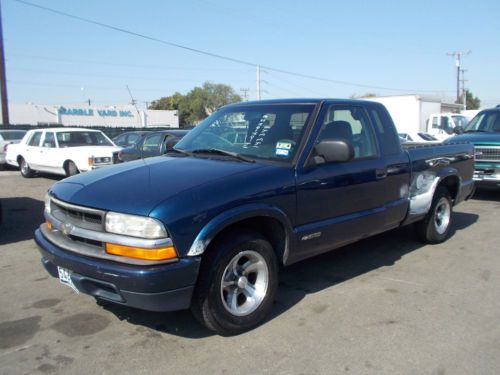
pixel 419 137
pixel 63 151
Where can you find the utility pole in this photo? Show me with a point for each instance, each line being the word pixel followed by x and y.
pixel 245 93
pixel 3 80
pixel 464 93
pixel 258 82
pixel 458 57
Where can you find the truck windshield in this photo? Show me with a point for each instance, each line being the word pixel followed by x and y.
pixel 460 120
pixel 487 121
pixel 271 132
pixel 82 138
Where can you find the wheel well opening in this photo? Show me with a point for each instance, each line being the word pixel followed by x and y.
pixel 451 183
pixel 19 158
pixel 271 229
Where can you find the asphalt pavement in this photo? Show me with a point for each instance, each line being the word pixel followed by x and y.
pixel 386 305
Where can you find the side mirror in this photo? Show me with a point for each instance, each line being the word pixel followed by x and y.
pixel 458 129
pixel 333 150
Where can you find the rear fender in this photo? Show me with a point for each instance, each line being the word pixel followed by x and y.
pixel 424 185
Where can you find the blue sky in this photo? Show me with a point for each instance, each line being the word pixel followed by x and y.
pixel 395 47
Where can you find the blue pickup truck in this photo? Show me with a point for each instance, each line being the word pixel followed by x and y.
pixel 254 187
pixel 483 131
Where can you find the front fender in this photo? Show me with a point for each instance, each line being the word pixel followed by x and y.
pixel 234 215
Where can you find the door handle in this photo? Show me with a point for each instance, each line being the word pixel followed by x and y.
pixel 380 173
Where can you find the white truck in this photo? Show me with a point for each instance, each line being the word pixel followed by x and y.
pixel 62 151
pixel 441 125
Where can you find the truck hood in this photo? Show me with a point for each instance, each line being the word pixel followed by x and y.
pixel 137 187
pixel 491 138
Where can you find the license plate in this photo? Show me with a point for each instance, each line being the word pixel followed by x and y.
pixel 65 278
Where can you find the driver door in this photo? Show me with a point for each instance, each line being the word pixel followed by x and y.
pixel 341 202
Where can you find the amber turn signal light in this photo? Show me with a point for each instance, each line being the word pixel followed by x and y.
pixel 161 253
pixel 49 224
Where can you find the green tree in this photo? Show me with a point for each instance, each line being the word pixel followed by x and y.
pixel 472 101
pixel 199 103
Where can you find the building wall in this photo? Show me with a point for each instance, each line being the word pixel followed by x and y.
pixel 109 116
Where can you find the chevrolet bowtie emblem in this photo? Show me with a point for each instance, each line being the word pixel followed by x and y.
pixel 66 228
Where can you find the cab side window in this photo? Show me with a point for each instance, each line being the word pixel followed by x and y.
pixel 351 124
pixel 35 139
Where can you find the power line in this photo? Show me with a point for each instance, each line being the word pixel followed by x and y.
pixel 48 84
pixel 210 54
pixel 53 72
pixel 97 62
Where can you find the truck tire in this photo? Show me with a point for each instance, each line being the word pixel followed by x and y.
pixel 237 284
pixel 435 227
pixel 71 169
pixel 25 169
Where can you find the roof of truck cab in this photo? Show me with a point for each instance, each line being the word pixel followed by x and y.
pixel 300 101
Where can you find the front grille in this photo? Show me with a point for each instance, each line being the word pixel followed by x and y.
pixel 487 153
pixel 88 241
pixel 79 216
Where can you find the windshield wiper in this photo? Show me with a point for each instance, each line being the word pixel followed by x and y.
pixel 223 152
pixel 179 151
pixel 476 131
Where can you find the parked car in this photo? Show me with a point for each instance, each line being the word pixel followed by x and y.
pixel 63 151
pixel 209 225
pixel 8 137
pixel 151 144
pixel 417 137
pixel 484 132
pixel 128 139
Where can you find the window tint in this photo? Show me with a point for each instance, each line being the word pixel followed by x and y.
pixel 12 135
pixel 435 122
pixel 35 139
pixel 387 134
pixel 82 138
pixel 132 139
pixel 49 140
pixel 269 132
pixel 152 143
pixel 351 124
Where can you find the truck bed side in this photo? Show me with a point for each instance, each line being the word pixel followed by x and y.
pixel 435 164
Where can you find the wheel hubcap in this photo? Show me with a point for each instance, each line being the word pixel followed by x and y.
pixel 244 283
pixel 442 215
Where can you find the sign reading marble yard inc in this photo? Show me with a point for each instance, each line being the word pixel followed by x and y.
pixel 90 112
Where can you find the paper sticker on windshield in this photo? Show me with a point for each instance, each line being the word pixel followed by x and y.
pixel 283 148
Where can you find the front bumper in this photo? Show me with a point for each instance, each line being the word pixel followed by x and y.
pixel 163 287
pixel 487 174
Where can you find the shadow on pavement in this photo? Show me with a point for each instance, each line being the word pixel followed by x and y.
pixel 309 276
pixel 20 217
pixel 487 194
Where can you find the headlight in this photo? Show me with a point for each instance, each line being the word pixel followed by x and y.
pixel 102 160
pixel 47 203
pixel 136 226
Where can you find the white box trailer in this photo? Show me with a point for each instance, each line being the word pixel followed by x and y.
pixel 411 112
